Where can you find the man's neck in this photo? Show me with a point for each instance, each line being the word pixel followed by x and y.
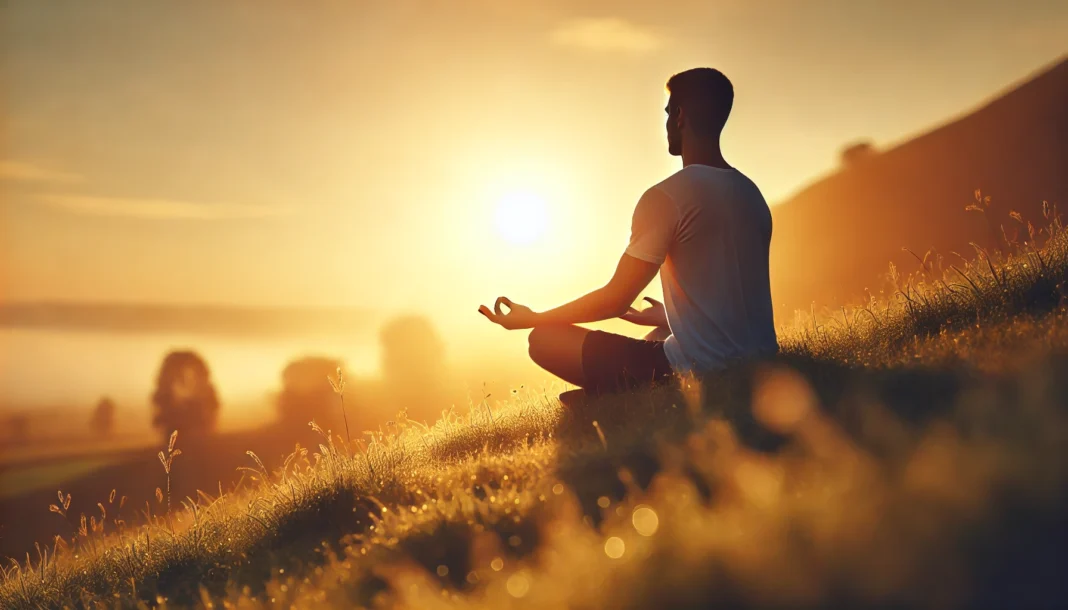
pixel 703 152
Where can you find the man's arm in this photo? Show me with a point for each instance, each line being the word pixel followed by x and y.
pixel 610 301
pixel 653 230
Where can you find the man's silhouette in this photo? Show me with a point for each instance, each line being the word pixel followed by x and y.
pixel 707 230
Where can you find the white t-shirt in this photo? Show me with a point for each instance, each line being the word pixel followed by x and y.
pixel 710 229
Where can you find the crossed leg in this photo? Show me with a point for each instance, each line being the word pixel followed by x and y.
pixel 558 350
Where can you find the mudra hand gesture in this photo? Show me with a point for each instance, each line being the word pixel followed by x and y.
pixel 655 315
pixel 516 317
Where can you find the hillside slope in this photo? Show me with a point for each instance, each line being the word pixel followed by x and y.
pixel 835 238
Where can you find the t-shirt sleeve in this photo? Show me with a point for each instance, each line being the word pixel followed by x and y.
pixel 654 227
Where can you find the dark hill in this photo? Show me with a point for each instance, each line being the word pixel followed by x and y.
pixel 837 237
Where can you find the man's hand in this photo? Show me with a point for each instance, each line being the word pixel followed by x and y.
pixel 655 315
pixel 517 317
pixel 610 301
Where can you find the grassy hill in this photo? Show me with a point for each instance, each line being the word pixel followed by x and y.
pixel 916 195
pixel 907 453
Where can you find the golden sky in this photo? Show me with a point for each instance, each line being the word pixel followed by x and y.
pixel 355 153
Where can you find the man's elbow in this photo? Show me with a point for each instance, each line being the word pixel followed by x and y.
pixel 616 303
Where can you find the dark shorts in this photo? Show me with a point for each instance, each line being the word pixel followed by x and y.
pixel 614 363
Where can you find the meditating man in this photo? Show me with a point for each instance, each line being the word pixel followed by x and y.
pixel 707 230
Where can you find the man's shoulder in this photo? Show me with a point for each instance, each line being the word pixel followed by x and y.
pixel 682 175
pixel 670 187
pixel 680 187
pixel 697 183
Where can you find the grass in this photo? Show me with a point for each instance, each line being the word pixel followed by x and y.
pixel 908 452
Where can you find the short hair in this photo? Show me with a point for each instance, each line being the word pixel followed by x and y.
pixel 707 95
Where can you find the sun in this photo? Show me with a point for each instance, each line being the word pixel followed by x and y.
pixel 521 217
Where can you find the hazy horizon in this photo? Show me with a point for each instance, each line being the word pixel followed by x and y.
pixel 232 320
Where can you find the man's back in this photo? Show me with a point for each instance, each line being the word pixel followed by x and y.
pixel 711 229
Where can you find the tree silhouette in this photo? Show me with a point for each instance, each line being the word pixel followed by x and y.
pixel 306 394
pixel 185 398
pixel 103 421
pixel 856 152
pixel 413 366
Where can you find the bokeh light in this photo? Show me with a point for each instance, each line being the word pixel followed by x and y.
pixel 614 547
pixel 518 584
pixel 645 520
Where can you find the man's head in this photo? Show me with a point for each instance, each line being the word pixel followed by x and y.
pixel 700 102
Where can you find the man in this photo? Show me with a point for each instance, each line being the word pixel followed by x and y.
pixel 707 230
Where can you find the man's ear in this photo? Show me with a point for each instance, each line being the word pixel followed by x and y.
pixel 680 118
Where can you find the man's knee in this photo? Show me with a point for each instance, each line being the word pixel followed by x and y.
pixel 545 342
pixel 537 341
pixel 558 349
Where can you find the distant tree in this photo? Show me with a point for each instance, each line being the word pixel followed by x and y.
pixel 411 351
pixel 858 151
pixel 185 398
pixel 414 371
pixel 306 394
pixel 103 420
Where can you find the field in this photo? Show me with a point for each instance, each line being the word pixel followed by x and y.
pixel 906 452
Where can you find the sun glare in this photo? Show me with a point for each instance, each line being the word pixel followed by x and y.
pixel 521 218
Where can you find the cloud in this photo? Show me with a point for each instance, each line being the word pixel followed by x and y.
pixel 22 171
pixel 605 34
pixel 157 209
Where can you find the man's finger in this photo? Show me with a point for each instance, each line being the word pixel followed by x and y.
pixel 482 309
pixel 653 301
pixel 497 305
